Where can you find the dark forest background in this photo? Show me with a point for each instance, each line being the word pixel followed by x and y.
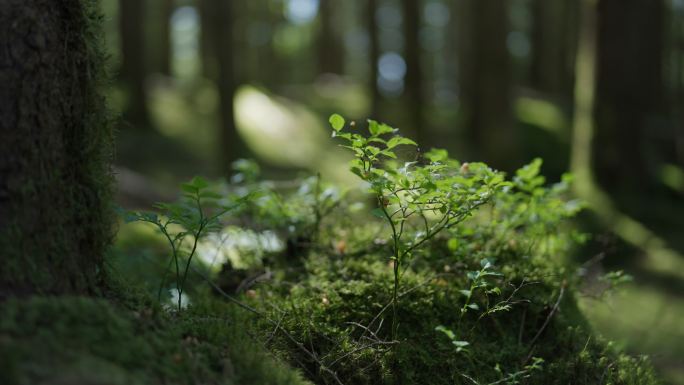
pixel 592 87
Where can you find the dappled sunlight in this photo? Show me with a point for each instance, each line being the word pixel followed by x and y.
pixel 543 114
pixel 644 320
pixel 244 248
pixel 283 132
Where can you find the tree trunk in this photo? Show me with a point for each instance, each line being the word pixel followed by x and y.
pixel 132 72
pixel 219 19
pixel 55 149
pixel 630 91
pixel 206 42
pixel 164 60
pixel 373 56
pixel 485 82
pixel 554 42
pixel 414 76
pixel 330 45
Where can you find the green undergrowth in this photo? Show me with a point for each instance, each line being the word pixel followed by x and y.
pixel 80 340
pixel 432 271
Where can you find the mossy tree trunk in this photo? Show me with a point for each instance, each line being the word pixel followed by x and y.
pixel 55 178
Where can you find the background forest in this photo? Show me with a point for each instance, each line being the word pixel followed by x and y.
pixel 591 87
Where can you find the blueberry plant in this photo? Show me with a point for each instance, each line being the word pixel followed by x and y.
pixel 429 194
pixel 184 223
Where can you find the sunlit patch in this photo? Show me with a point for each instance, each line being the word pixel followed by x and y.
pixel 244 248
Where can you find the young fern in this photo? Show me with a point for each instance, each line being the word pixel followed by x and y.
pixel 418 199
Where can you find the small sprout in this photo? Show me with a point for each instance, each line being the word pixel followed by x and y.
pixel 336 121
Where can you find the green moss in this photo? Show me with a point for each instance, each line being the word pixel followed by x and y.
pixel 90 341
pixel 325 311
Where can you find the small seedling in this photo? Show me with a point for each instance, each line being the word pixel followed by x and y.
pixel 196 214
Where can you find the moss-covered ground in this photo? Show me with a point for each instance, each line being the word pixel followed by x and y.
pixel 80 340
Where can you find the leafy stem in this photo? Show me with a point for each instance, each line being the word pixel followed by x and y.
pixel 436 189
pixel 188 214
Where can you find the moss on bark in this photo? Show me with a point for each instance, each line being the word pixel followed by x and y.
pixel 55 176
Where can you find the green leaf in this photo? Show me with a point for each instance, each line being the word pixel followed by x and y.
pixel 378 213
pixel 377 129
pixel 199 182
pixel 466 293
pixel 210 195
pixel 389 154
pixel 336 121
pixel 485 263
pixel 131 216
pixel 460 345
pixel 495 290
pixel 189 188
pixel 446 331
pixel 398 140
pixel 474 306
pixel 437 155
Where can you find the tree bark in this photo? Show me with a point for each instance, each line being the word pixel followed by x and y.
pixel 630 89
pixel 55 178
pixel 132 72
pixel 485 82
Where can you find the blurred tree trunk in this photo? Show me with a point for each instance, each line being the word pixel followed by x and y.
pixel 167 7
pixel 55 146
pixel 630 89
pixel 218 22
pixel 414 76
pixel 205 39
pixel 330 45
pixel 554 43
pixel 133 72
pixel 677 51
pixel 373 56
pixel 485 82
